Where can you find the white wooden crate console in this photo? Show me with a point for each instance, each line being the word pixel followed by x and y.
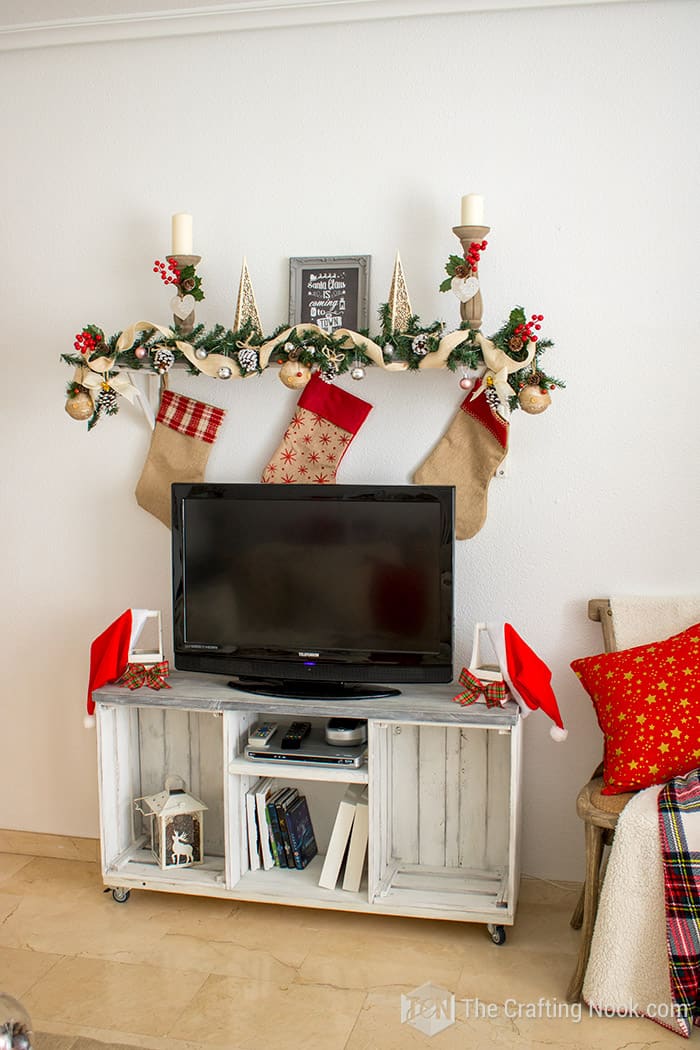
pixel 444 796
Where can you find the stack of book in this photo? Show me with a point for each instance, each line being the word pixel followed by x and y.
pixel 348 842
pixel 280 832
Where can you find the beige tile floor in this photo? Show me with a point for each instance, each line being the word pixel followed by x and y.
pixel 188 973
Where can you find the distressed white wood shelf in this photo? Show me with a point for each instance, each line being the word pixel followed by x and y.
pixel 444 797
pixel 298 771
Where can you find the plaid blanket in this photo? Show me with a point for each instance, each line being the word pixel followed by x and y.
pixel 679 827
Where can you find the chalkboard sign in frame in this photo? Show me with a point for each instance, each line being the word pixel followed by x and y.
pixel 330 291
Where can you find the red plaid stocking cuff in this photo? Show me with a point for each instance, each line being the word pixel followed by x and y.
pixel 190 417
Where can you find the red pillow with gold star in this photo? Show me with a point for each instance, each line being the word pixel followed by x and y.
pixel 647 700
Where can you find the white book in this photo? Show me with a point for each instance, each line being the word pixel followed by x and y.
pixel 252 823
pixel 265 789
pixel 357 850
pixel 340 836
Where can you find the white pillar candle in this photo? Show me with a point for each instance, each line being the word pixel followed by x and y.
pixel 472 210
pixel 182 234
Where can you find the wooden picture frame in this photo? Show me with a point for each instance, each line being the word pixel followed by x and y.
pixel 330 291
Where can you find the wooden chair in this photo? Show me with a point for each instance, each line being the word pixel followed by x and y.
pixel 599 814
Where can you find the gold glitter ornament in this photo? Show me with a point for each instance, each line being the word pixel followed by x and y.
pixel 533 399
pixel 80 407
pixel 294 374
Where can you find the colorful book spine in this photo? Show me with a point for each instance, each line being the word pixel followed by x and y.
pixel 276 830
pixel 301 832
pixel 281 806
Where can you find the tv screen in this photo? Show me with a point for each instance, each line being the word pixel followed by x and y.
pixel 314 590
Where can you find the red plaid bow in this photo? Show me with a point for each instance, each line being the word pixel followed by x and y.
pixel 152 675
pixel 495 693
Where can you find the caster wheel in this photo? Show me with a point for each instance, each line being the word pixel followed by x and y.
pixel 121 896
pixel 497 934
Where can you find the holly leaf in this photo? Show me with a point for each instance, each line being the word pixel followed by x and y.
pixel 446 285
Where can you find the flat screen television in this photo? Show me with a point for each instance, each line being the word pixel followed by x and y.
pixel 338 591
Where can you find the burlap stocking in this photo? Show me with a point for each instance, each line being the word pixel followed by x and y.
pixel 325 422
pixel 184 433
pixel 467 456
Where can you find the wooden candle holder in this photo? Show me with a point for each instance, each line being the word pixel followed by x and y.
pixel 471 311
pixel 185 324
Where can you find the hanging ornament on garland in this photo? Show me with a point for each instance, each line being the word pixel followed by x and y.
pixel 534 399
pixel 494 401
pixel 79 404
pixel 294 374
pixel 107 403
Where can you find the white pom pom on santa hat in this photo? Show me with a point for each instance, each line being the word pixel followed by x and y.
pixel 527 676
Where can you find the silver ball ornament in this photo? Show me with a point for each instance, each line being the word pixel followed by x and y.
pixel 225 372
pixel 200 353
pixel 388 350
pixel 357 372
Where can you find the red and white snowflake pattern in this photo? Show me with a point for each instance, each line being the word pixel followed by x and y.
pixel 311 450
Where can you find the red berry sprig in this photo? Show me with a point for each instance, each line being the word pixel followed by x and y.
pixel 169 274
pixel 527 331
pixel 473 255
pixel 88 340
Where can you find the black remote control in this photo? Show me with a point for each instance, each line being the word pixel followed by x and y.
pixel 291 741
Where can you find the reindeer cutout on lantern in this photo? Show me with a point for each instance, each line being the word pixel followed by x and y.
pixel 174 824
pixel 181 848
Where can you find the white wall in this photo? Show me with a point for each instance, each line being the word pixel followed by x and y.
pixel 575 123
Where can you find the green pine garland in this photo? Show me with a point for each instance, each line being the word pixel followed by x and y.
pixel 314 349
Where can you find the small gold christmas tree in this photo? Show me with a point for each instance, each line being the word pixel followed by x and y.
pixel 246 307
pixel 399 304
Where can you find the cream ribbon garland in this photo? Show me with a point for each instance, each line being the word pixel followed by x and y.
pixel 498 364
pixel 498 367
pixel 96 379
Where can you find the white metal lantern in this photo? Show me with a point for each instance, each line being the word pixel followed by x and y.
pixel 483 671
pixel 177 826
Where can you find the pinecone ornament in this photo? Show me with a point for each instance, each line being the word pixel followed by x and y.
pixel 248 359
pixel 420 345
pixel 163 360
pixel 107 401
pixel 493 400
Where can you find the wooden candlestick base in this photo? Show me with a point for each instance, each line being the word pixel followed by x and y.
pixel 471 311
pixel 185 324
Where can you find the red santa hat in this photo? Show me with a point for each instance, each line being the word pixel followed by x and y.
pixel 109 653
pixel 527 676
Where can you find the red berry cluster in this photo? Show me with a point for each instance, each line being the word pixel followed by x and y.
pixel 474 254
pixel 171 277
pixel 525 331
pixel 86 341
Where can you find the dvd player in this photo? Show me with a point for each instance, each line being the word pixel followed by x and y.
pixel 314 750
